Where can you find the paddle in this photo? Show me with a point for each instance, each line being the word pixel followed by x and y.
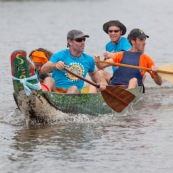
pixel 115 97
pixel 165 75
pixel 162 71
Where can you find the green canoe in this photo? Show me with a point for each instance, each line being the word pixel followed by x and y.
pixel 39 105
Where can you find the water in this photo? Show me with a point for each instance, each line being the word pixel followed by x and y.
pixel 138 141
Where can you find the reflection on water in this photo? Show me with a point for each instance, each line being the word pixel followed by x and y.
pixel 57 145
pixel 100 146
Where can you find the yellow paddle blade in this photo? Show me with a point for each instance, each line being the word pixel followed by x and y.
pixel 166 76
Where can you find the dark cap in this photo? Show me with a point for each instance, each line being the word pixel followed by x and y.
pixel 114 23
pixel 74 34
pixel 136 33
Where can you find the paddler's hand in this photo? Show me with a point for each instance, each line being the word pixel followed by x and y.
pixel 60 65
pixel 102 86
pixel 96 58
pixel 107 55
pixel 158 79
pixel 154 69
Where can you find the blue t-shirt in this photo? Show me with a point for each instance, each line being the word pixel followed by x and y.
pixel 122 45
pixel 79 65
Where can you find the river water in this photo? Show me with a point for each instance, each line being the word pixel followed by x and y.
pixel 138 141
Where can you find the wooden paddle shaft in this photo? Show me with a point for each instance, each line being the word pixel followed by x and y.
pixel 80 77
pixel 136 67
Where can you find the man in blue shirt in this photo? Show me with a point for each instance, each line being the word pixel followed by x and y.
pixel 75 60
pixel 115 29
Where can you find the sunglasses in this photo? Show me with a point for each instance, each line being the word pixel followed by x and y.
pixel 113 31
pixel 80 39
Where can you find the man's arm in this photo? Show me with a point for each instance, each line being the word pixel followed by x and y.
pixel 49 66
pixel 157 79
pixel 95 76
pixel 102 65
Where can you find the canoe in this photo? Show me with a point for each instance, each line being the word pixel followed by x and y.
pixel 42 106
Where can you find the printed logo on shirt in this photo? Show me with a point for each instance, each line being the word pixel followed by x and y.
pixel 75 68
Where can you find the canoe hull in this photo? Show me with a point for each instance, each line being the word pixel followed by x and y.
pixel 42 106
pixel 92 104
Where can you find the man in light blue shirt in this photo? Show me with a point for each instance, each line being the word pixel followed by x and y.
pixel 115 29
pixel 75 60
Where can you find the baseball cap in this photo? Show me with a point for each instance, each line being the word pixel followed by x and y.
pixel 136 33
pixel 74 34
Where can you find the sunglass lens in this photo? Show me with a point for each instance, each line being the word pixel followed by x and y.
pixel 80 39
pixel 110 31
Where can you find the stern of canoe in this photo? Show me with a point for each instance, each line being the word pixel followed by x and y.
pixel 21 69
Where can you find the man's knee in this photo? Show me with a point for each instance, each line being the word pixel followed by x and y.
pixel 73 89
pixel 134 80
